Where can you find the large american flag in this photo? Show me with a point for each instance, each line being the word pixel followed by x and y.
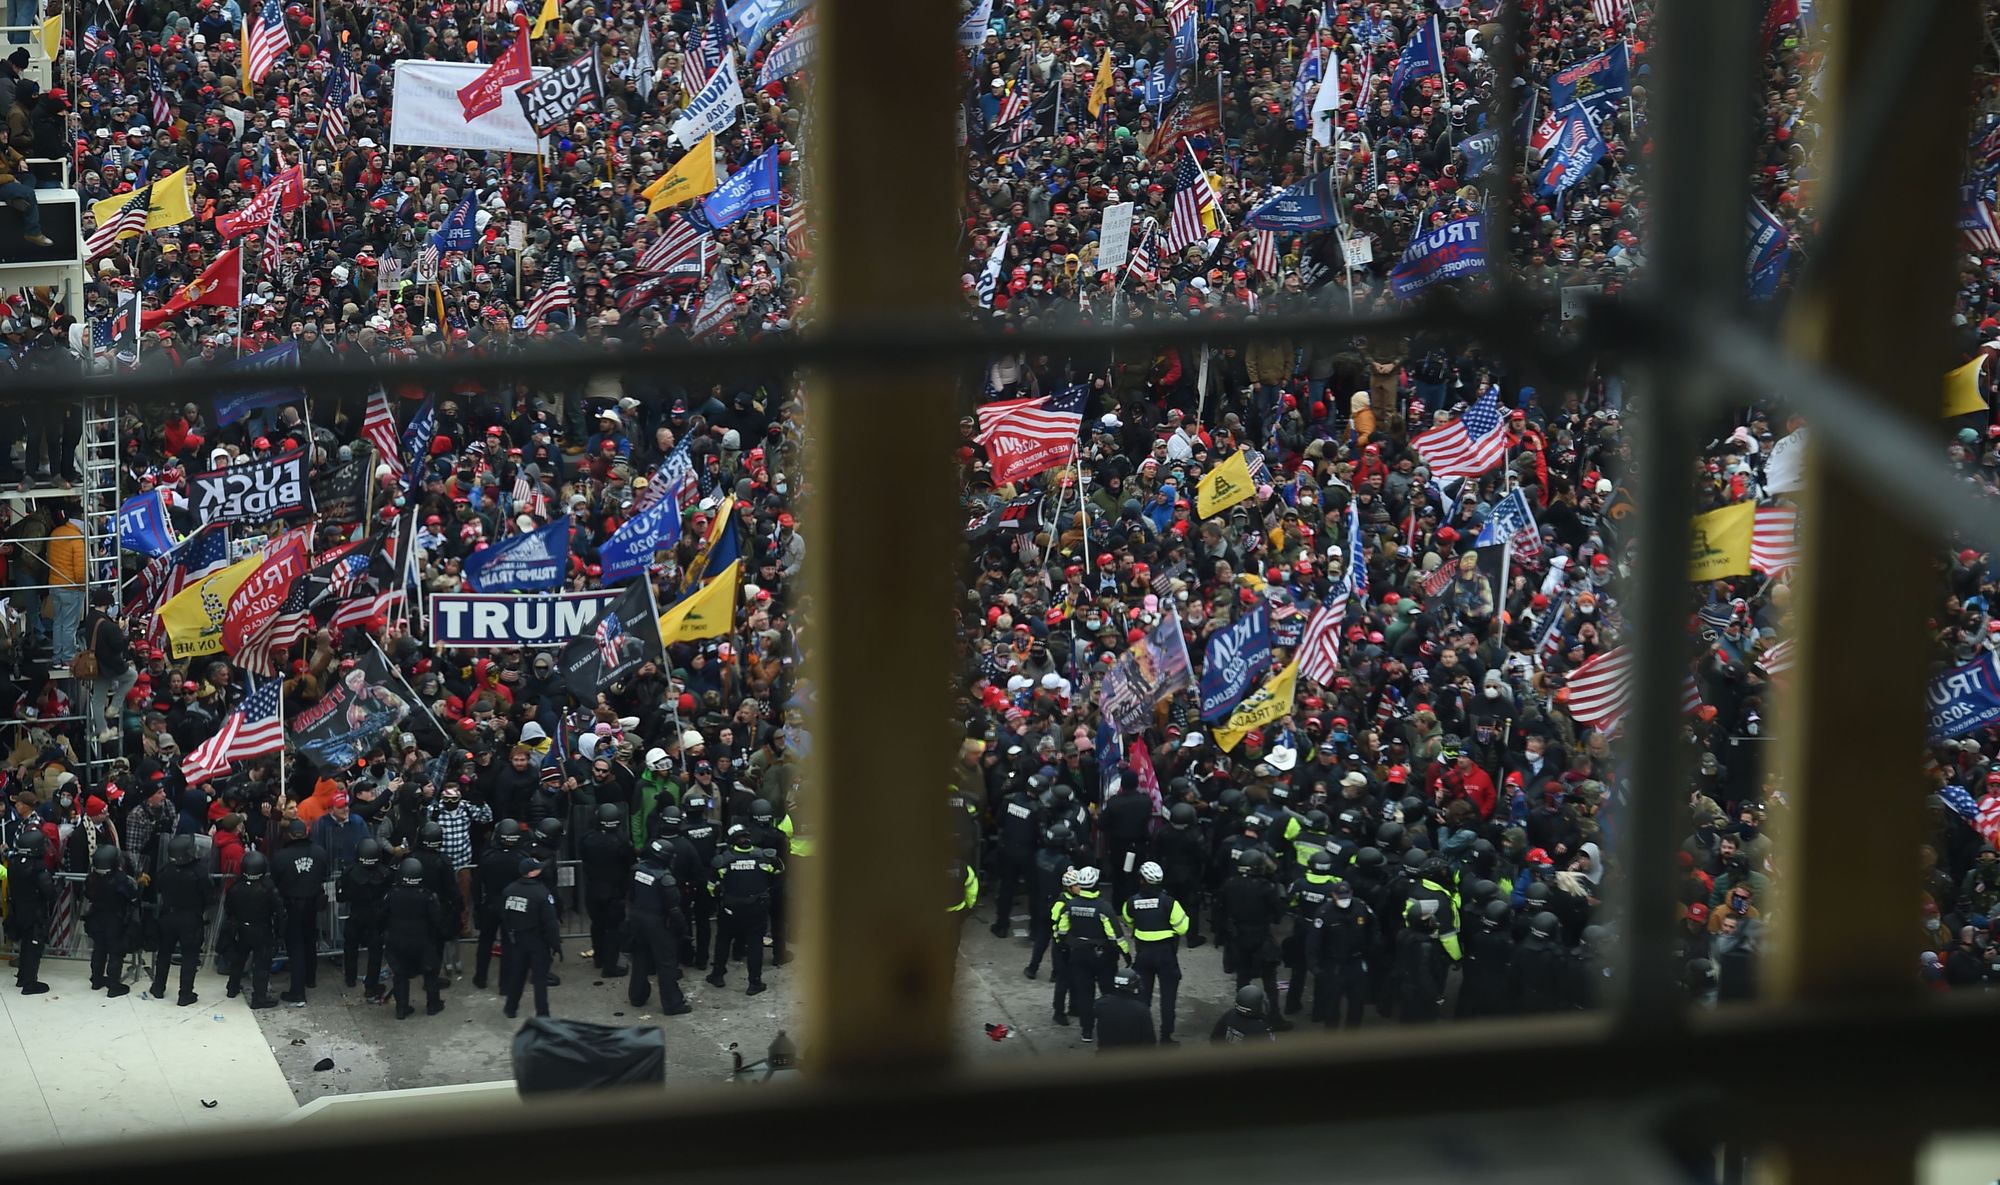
pixel 548 300
pixel 1548 639
pixel 1058 416
pixel 1987 823
pixel 1601 690
pixel 252 730
pixel 378 428
pixel 1774 543
pixel 339 89
pixel 1193 197
pixel 360 609
pixel 679 242
pixel 1469 445
pixel 289 625
pixel 1610 12
pixel 702 56
pixel 129 217
pixel 163 113
pixel 1319 647
pixel 1779 659
pixel 268 40
pixel 201 555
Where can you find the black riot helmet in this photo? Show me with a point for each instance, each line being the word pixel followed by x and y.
pixel 659 851
pixel 609 816
pixel 104 859
pixel 1544 924
pixel 1125 979
pixel 30 839
pixel 1058 836
pixel 1436 870
pixel 1321 862
pixel 1317 820
pixel 180 850
pixel 696 806
pixel 1483 890
pixel 1250 999
pixel 411 871
pixel 369 851
pixel 1414 810
pixel 255 866
pixel 1371 859
pixel 760 810
pixel 1350 822
pixel 1062 796
pixel 1182 815
pixel 507 833
pixel 1231 800
pixel 1537 893
pixel 549 830
pixel 1389 837
pixel 1414 860
pixel 670 821
pixel 430 835
pixel 1498 911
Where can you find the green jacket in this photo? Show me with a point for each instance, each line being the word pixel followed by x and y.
pixel 651 787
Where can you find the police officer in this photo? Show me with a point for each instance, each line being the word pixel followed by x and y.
pixel 1091 942
pixel 1489 952
pixel 742 874
pixel 31 898
pixel 1123 1018
pixel 764 834
pixel 414 926
pixel 364 886
pixel 1248 1021
pixel 1251 906
pixel 1045 887
pixel 1421 964
pixel 1341 935
pixel 442 880
pixel 1158 923
pixel 183 892
pixel 705 838
pixel 1435 894
pixel 1020 818
pixel 253 915
pixel 1310 893
pixel 1535 979
pixel 1123 824
pixel 300 869
pixel 111 918
pixel 499 865
pixel 606 852
pixel 530 936
pixel 657 929
pixel 1181 851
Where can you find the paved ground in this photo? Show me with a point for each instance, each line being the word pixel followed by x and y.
pixel 470 1040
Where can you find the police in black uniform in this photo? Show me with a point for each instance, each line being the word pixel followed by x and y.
pixel 31 898
pixel 1310 893
pixel 1020 819
pixel 1045 888
pixel 1342 934
pixel 1251 905
pixel 183 893
pixel 1091 943
pixel 764 834
pixel 1536 977
pixel 111 899
pixel 1181 851
pixel 657 929
pixel 1158 923
pixel 704 836
pixel 1123 1018
pixel 499 865
pixel 253 916
pixel 743 874
pixel 530 936
pixel 606 852
pixel 1248 1021
pixel 1489 953
pixel 442 881
pixel 414 924
pixel 364 886
pixel 300 869
pixel 1421 966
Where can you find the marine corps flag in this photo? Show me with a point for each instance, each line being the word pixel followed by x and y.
pixel 1224 486
pixel 1720 545
pixel 625 635
pixel 220 283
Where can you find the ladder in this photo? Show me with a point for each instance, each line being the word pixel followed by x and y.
pixel 102 492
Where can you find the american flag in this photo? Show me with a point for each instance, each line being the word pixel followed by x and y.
pixel 1610 12
pixel 1548 640
pixel 1977 222
pixel 1779 659
pixel 1055 418
pixel 1319 647
pixel 268 39
pixel 1144 262
pixel 1264 253
pixel 339 89
pixel 1960 801
pixel 1987 824
pixel 129 217
pixel 1774 542
pixel 1194 197
pixel 252 730
pixel 92 39
pixel 548 300
pixel 274 246
pixel 795 229
pixel 1178 11
pixel 702 56
pixel 378 428
pixel 100 336
pixel 1469 445
pixel 608 633
pixel 1601 690
pixel 162 111
pixel 679 242
pixel 202 554
pixel 1014 105
pixel 290 624
pixel 1513 521
pixel 360 609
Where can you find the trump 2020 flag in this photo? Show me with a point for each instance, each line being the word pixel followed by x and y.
pixel 1232 661
pixel 630 549
pixel 1577 148
pixel 1770 248
pixel 417 443
pixel 459 228
pixel 1599 84
pixel 1455 249
pixel 530 562
pixel 1423 57
pixel 750 188
pixel 143 525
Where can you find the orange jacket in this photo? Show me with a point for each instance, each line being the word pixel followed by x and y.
pixel 66 558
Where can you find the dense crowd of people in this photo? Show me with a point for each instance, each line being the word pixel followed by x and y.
pixel 1420 822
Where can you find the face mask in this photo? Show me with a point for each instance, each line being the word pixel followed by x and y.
pixel 1343 902
pixel 1492 693
pixel 1748 831
pixel 1931 924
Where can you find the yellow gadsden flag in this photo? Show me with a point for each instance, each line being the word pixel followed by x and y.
pixel 52 36
pixel 1268 703
pixel 169 203
pixel 543 18
pixel 1721 543
pixel 1225 486
pixel 194 617
pixel 706 613
pixel 1961 390
pixel 1100 91
pixel 691 177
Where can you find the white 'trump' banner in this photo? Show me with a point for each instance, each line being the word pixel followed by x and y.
pixel 427 113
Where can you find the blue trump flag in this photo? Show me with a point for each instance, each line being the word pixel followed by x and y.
pixel 1423 57
pixel 143 525
pixel 1965 699
pixel 533 561
pixel 630 548
pixel 233 407
pixel 1770 250
pixel 459 228
pixel 1600 84
pixel 417 444
pixel 1479 150
pixel 1452 250
pixel 1309 205
pixel 1572 154
pixel 750 188
pixel 753 20
pixel 1511 516
pixel 1235 657
pixel 1303 90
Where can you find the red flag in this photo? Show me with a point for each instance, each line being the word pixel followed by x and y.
pixel 220 283
pixel 252 215
pixel 1141 762
pixel 291 187
pixel 254 606
pixel 510 69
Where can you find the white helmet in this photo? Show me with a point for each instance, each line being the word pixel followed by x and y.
pixel 656 760
pixel 1151 873
pixel 1086 878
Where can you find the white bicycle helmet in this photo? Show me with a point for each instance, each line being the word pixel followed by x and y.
pixel 1152 873
pixel 656 760
pixel 1069 879
pixel 1086 878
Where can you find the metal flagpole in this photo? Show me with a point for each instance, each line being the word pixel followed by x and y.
pixel 239 304
pixel 282 763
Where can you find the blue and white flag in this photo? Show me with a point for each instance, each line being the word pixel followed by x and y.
pixel 1577 148
pixel 530 562
pixel 1309 205
pixel 1479 150
pixel 460 227
pixel 417 444
pixel 1511 516
pixel 1599 84
pixel 750 188
pixel 1232 661
pixel 1452 250
pixel 143 526
pixel 1110 755
pixel 1422 58
pixel 237 404
pixel 1965 699
pixel 630 549
pixel 1770 249
pixel 793 53
pixel 971 30
pixel 753 20
pixel 1304 88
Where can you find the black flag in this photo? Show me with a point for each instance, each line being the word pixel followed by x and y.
pixel 554 97
pixel 625 635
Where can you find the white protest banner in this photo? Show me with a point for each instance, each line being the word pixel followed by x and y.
pixel 512 619
pixel 1785 468
pixel 1357 250
pixel 425 111
pixel 1114 239
pixel 972 30
pixel 714 107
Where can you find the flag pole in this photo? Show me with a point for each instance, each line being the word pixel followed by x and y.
pixel 239 304
pixel 282 763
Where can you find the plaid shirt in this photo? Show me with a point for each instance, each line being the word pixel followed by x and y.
pixel 457 827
